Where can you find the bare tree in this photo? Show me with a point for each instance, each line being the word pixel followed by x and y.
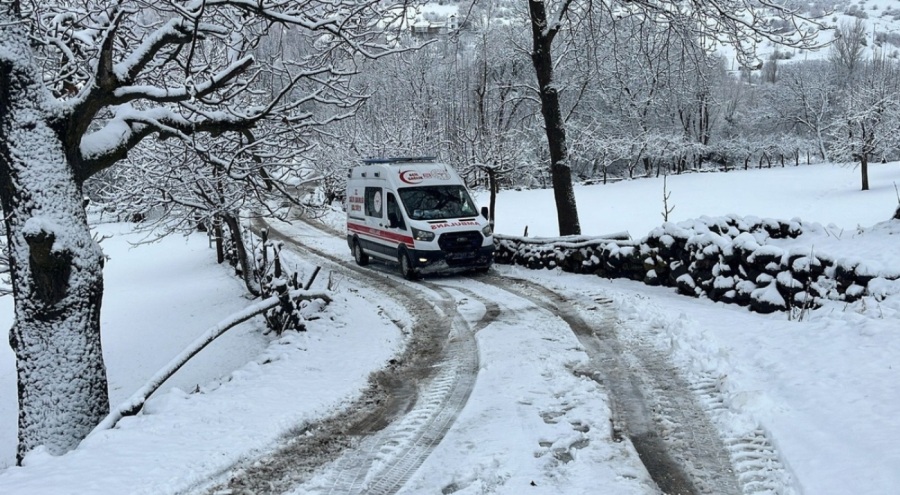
pixel 847 50
pixel 740 23
pixel 870 116
pixel 84 83
pixel 544 29
pixel 464 98
pixel 809 100
pixel 496 136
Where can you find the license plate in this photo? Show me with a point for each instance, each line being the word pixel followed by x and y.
pixel 460 256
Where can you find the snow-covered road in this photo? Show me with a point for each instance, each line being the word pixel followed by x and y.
pixel 585 409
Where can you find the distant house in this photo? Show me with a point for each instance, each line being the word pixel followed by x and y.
pixel 435 20
pixel 428 20
pixel 423 27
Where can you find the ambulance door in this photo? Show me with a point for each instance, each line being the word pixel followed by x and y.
pixel 395 214
pixel 397 224
pixel 375 222
pixel 400 234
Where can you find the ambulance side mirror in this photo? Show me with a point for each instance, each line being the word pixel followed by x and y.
pixel 485 212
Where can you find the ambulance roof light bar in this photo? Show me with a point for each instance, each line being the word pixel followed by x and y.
pixel 400 159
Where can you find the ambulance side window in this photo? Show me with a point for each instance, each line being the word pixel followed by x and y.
pixel 373 202
pixel 393 211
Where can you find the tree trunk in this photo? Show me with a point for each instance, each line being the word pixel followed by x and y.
pixel 494 187
pixel 864 170
pixel 560 172
pixel 55 264
pixel 822 149
pixel 220 244
pixel 234 229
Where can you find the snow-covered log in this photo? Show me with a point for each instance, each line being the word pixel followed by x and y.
pixel 134 403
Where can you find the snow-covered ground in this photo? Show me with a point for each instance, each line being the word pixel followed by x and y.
pixel 828 194
pixel 825 389
pixel 880 18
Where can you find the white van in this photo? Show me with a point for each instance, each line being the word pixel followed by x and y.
pixel 418 213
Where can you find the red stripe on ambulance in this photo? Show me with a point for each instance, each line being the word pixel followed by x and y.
pixel 380 234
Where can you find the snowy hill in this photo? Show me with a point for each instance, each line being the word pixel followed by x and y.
pixel 880 17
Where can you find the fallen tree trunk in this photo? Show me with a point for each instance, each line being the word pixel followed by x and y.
pixel 136 402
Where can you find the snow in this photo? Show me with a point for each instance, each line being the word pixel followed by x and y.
pixel 822 385
pixel 525 416
pixel 770 193
pixel 235 397
pixel 871 12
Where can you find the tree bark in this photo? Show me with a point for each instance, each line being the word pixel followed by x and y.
pixel 864 170
pixel 237 240
pixel 822 149
pixel 55 264
pixel 560 172
pixel 220 247
pixel 494 187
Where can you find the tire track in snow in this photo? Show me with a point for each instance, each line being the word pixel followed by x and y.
pixel 492 309
pixel 651 404
pixel 756 461
pixel 390 394
pixel 379 441
pixel 385 461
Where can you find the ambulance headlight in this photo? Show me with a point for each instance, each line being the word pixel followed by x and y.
pixel 423 235
pixel 487 231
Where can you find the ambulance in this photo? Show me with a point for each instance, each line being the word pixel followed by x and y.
pixel 416 212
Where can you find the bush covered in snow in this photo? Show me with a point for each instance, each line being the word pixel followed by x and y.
pixel 724 259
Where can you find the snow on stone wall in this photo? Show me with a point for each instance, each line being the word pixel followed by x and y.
pixel 723 258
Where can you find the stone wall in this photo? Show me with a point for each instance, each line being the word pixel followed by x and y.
pixel 724 259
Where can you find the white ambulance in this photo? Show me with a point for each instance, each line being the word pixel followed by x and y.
pixel 418 213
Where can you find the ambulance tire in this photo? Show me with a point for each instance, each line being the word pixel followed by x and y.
pixel 406 268
pixel 361 258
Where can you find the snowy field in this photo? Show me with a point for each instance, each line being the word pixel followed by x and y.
pixel 828 194
pixel 826 389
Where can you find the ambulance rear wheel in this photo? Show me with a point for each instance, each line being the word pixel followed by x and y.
pixel 361 258
pixel 406 268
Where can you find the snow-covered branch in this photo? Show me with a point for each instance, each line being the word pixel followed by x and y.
pixel 134 403
pixel 208 65
pixel 743 24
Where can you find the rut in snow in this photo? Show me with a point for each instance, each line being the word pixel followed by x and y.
pixel 652 406
pixel 376 444
pixel 384 462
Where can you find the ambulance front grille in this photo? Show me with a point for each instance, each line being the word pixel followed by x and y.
pixel 456 242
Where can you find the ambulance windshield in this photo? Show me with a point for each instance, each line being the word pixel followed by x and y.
pixel 437 202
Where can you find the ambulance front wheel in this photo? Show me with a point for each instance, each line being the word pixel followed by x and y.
pixel 406 268
pixel 361 258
